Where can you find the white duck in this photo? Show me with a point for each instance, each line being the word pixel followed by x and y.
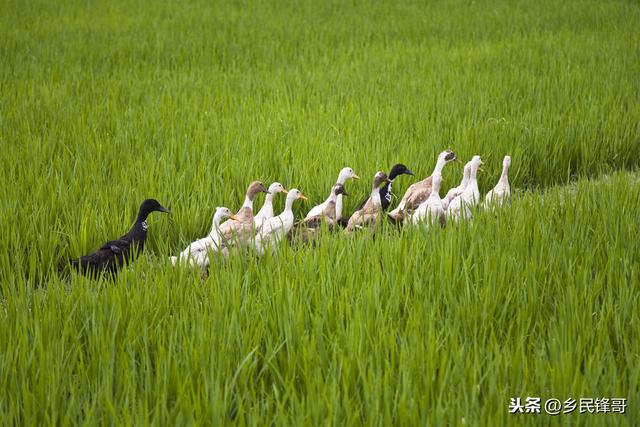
pixel 266 211
pixel 501 192
pixel 279 226
pixel 461 205
pixel 418 192
pixel 196 254
pixel 345 174
pixel 456 191
pixel 432 209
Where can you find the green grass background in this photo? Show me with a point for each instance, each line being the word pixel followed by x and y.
pixel 103 104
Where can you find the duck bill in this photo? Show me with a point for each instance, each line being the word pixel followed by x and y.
pixel 163 209
pixel 408 172
pixel 344 193
pixel 233 217
pixel 355 176
pixel 457 160
pixel 285 191
pixel 303 197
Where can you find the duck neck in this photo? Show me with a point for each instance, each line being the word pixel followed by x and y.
pixel 248 202
pixel 464 182
pixel 288 206
pixel 439 166
pixel 215 227
pixel 330 209
pixel 473 183
pixel 267 207
pixel 375 196
pixel 504 178
pixel 435 192
pixel 142 216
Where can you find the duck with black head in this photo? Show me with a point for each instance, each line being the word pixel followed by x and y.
pixel 115 253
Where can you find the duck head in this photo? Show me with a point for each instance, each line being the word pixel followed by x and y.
pixel 476 162
pixel 223 213
pixel 379 179
pixel 506 162
pixel 254 189
pixel 399 169
pixel 347 173
pixel 295 194
pixel 276 188
pixel 339 189
pixel 448 156
pixel 148 206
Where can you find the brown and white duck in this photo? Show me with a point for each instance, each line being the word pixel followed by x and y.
pixel 241 227
pixel 370 213
pixel 418 192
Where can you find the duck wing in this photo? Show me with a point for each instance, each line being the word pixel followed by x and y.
pixel 364 202
pixel 420 193
pixel 117 246
pixel 110 257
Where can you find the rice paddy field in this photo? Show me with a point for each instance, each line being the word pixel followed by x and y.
pixel 106 103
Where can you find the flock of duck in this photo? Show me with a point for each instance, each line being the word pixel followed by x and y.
pixel 421 205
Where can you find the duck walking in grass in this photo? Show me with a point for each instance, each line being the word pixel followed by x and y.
pixel 197 253
pixel 502 191
pixel 368 216
pixel 461 206
pixel 114 254
pixel 266 211
pixel 241 228
pixel 274 229
pixel 345 174
pixel 309 228
pixel 456 191
pixel 418 192
pixel 385 191
pixel 431 210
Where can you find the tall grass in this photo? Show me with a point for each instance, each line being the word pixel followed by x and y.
pixel 103 104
